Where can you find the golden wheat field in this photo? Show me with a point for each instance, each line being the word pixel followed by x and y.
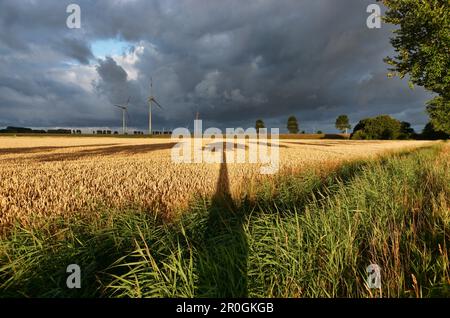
pixel 41 177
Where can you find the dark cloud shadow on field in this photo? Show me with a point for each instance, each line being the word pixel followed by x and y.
pixel 9 151
pixel 106 151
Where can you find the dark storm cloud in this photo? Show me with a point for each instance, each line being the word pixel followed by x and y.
pixel 111 73
pixel 75 48
pixel 115 85
pixel 233 61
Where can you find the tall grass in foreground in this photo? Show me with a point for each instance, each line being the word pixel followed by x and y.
pixel 304 235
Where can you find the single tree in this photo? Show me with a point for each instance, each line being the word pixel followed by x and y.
pixel 342 123
pixel 259 125
pixel 422 48
pixel 406 131
pixel 379 127
pixel 292 125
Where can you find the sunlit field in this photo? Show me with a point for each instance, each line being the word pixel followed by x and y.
pixel 43 177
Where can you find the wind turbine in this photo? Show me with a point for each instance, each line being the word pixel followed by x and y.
pixel 124 109
pixel 151 100
pixel 195 114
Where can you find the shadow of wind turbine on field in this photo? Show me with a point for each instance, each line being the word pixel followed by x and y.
pixel 222 268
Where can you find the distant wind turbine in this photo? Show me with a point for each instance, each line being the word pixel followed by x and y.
pixel 124 109
pixel 151 100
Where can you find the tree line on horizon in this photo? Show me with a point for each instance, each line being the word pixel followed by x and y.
pixel 382 127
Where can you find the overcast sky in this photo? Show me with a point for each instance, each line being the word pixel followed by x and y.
pixel 233 61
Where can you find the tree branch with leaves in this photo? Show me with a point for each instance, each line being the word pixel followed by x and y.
pixel 422 46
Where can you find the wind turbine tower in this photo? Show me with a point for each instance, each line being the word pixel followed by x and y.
pixel 151 100
pixel 124 109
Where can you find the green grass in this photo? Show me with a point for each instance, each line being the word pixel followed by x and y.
pixel 306 235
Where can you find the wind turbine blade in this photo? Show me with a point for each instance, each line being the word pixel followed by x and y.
pixel 154 100
pixel 128 101
pixel 119 106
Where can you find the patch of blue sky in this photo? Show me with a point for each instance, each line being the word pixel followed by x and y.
pixel 103 48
